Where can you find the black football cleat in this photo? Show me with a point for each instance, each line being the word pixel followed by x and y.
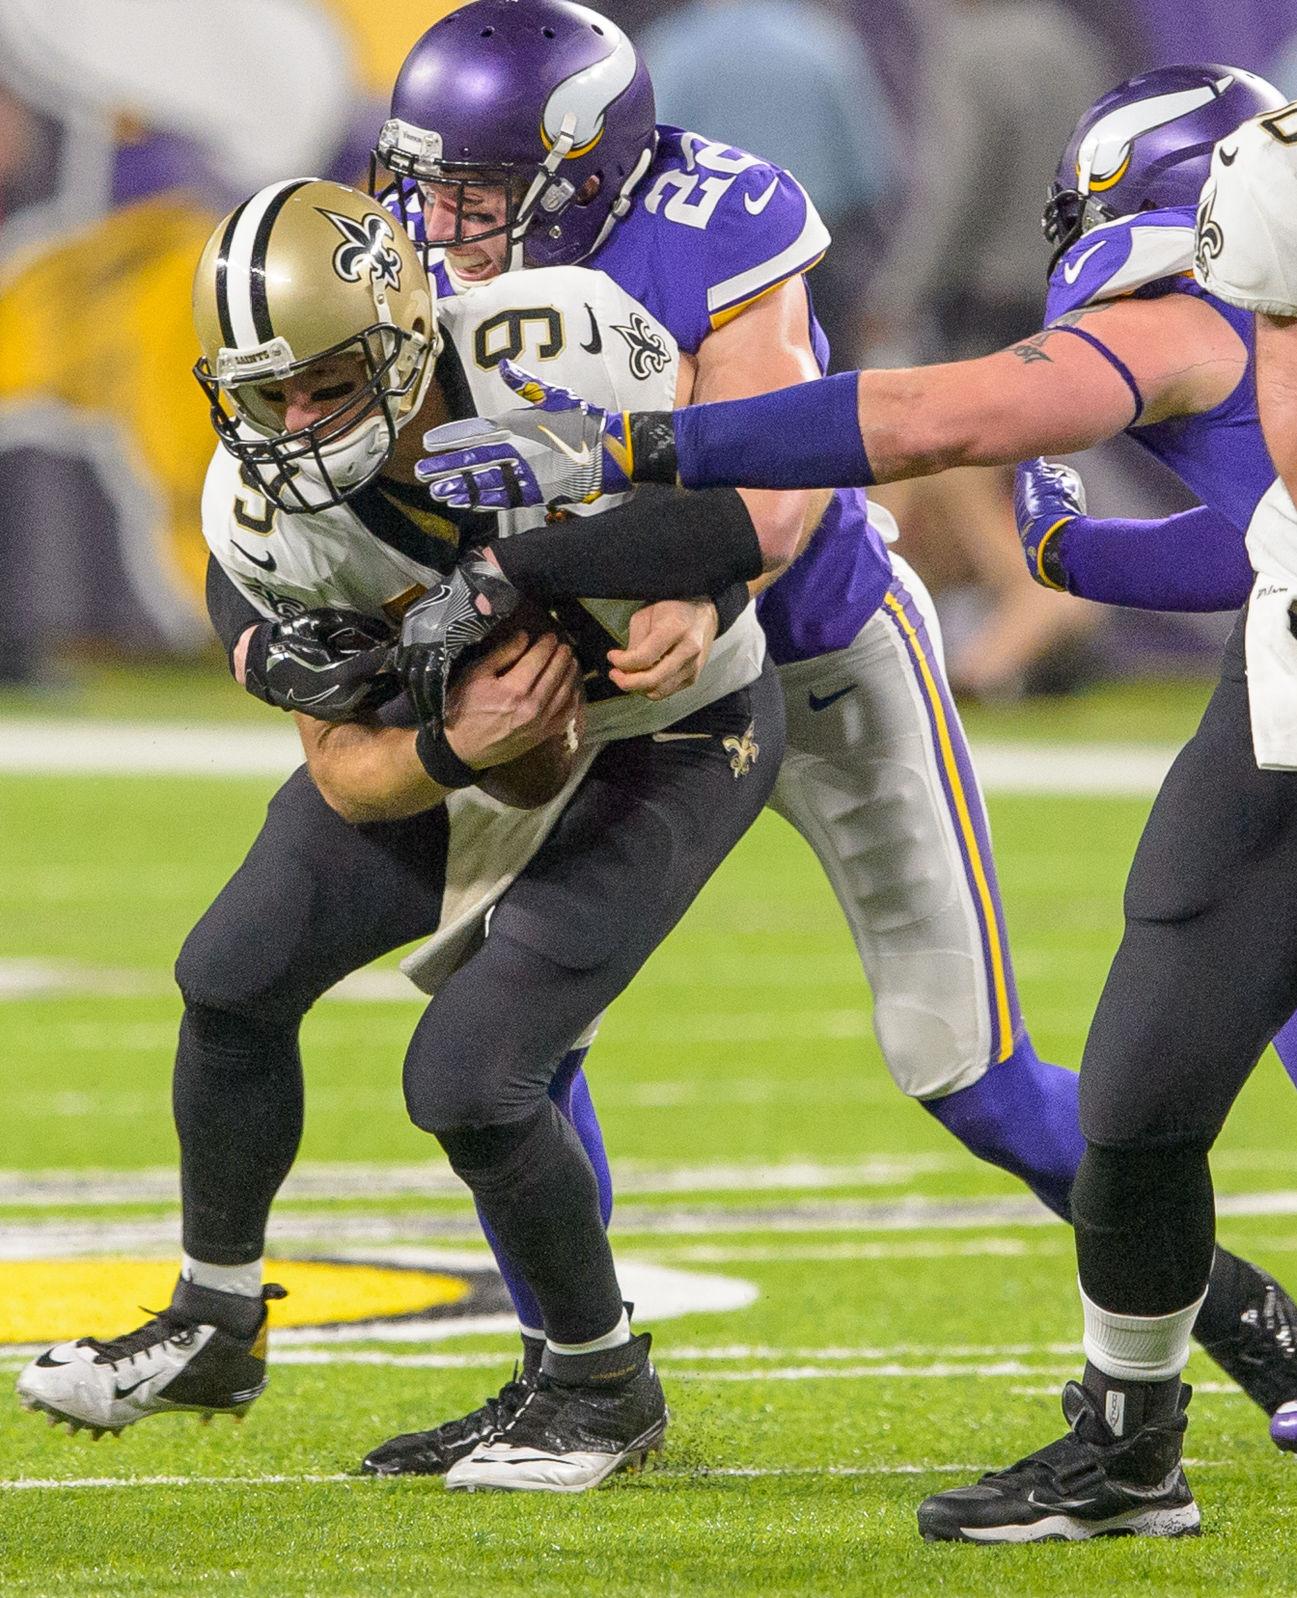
pixel 1260 1352
pixel 587 1416
pixel 178 1360
pixel 432 1453
pixel 1087 1484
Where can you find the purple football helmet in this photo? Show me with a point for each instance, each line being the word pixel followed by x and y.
pixel 538 96
pixel 1147 144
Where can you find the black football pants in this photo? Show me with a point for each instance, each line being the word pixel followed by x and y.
pixel 317 898
pixel 1205 976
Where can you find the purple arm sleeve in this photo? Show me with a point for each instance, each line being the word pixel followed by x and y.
pixel 1194 561
pixel 807 436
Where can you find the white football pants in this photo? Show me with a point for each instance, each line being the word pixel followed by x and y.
pixel 878 780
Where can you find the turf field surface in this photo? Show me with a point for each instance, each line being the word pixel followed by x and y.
pixel 907 1317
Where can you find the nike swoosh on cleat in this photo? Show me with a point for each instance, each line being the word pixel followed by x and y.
pixel 46 1363
pixel 125 1392
pixel 596 337
pixel 816 703
pixel 267 565
pixel 755 207
pixel 1228 157
pixel 1072 269
pixel 581 457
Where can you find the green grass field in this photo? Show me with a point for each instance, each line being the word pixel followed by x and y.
pixel 913 1317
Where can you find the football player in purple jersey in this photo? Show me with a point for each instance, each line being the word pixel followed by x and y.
pixel 671 217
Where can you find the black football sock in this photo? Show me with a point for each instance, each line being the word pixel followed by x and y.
pixel 237 1099
pixel 537 1190
pixel 1145 1227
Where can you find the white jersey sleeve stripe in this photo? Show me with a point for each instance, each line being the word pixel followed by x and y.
pixel 735 292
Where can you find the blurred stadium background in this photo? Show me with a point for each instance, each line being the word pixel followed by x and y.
pixel 128 126
pixel 914 1309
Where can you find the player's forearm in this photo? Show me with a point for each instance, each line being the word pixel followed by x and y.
pixel 1195 561
pixel 657 546
pixel 855 429
pixel 368 773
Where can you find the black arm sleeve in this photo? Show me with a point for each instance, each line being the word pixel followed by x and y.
pixel 730 604
pixel 229 612
pixel 663 544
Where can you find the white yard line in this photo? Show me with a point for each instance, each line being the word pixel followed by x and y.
pixel 367 1483
pixel 330 1233
pixel 340 1180
pixel 125 748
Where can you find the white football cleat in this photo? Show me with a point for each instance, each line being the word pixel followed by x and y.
pixel 175 1361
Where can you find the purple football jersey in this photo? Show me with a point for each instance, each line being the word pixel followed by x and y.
pixel 1220 454
pixel 710 230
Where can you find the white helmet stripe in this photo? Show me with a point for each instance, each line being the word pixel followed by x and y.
pixel 240 273
pixel 1108 142
pixel 588 94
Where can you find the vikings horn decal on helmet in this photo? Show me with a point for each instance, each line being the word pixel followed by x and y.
pixel 1147 144
pixel 538 96
pixel 311 285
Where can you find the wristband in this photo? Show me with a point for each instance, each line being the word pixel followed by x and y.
pixel 1050 569
pixel 730 604
pixel 651 444
pixel 440 761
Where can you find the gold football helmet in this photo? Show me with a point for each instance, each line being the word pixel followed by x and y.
pixel 310 278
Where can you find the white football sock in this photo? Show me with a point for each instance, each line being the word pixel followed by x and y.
pixel 242 1279
pixel 614 1339
pixel 1138 1348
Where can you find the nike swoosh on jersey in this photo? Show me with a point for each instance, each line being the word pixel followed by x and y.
pixel 755 207
pixel 579 457
pixel 596 337
pixel 1072 269
pixel 267 565
pixel 816 703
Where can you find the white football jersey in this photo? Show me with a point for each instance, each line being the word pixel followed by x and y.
pixel 1246 242
pixel 574 327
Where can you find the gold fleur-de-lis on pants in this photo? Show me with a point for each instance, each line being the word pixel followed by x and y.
pixel 743 751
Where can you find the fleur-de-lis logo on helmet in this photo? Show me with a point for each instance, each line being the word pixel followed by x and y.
pixel 368 248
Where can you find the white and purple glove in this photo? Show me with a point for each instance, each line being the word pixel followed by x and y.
pixel 559 450
pixel 1046 496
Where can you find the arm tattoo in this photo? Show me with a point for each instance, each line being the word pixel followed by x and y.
pixel 1032 349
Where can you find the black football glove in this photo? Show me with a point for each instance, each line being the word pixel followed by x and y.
pixel 442 624
pixel 334 664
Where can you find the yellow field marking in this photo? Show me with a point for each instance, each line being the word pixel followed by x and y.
pixel 50 1300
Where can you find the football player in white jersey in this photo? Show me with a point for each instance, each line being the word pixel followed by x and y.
pixel 525 134
pixel 319 343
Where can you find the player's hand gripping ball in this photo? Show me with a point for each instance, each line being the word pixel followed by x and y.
pixel 533 779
